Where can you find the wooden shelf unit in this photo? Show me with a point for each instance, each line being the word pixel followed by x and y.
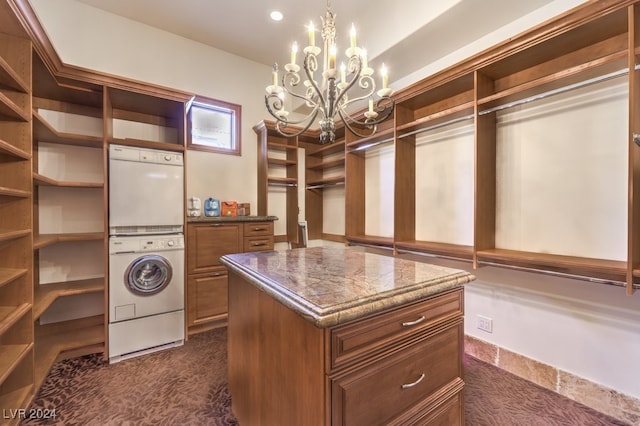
pixel 151 115
pixel 16 261
pixel 592 43
pixel 278 168
pixel 355 184
pixel 46 294
pixel 324 169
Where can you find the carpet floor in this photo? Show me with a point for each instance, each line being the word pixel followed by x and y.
pixel 188 386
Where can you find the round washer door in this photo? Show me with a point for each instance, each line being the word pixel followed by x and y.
pixel 148 275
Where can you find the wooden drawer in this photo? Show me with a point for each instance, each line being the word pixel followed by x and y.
pixel 207 297
pixel 399 383
pixel 364 338
pixel 258 243
pixel 255 229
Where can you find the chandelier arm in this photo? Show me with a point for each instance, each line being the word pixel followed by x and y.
pixel 281 125
pixel 386 112
pixel 356 77
pixel 311 80
pixel 346 122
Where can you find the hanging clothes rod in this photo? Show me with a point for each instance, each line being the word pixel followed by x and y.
pixel 325 185
pixel 282 184
pixel 614 283
pixel 558 90
pixel 437 126
pixel 370 145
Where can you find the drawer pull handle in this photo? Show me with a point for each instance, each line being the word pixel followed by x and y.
pixel 410 385
pixel 410 323
pixel 259 229
pixel 216 224
pixel 259 244
pixel 217 274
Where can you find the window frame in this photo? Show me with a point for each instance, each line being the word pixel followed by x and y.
pixel 236 126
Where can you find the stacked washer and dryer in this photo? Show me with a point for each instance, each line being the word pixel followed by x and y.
pixel 146 251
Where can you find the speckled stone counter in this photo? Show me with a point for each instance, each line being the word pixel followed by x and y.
pixel 205 219
pixel 330 286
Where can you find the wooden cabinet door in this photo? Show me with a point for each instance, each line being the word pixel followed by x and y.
pixel 207 298
pixel 207 242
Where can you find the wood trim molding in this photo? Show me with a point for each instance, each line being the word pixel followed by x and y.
pixel 565 22
pixel 61 71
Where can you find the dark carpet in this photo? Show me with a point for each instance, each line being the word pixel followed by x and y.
pixel 187 386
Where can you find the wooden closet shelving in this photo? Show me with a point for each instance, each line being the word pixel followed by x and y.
pixel 278 169
pixel 16 267
pixel 592 43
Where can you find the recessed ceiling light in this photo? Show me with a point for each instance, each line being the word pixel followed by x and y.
pixel 276 15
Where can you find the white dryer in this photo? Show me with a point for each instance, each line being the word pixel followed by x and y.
pixel 146 293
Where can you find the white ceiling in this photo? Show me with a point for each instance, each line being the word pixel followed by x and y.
pixel 405 34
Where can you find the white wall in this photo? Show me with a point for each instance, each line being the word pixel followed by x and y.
pixel 98 40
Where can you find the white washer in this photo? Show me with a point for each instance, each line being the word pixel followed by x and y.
pixel 146 294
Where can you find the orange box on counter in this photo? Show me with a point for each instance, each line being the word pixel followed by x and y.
pixel 229 208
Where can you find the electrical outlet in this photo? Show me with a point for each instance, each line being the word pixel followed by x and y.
pixel 485 323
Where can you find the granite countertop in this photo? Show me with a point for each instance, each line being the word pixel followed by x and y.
pixel 199 219
pixel 330 286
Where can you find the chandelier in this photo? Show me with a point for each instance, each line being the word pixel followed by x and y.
pixel 329 97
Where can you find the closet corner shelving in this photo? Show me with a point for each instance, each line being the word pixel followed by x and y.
pixel 324 169
pixel 16 261
pixel 278 168
pixel 77 137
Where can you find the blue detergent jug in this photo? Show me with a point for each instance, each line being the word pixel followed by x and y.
pixel 212 207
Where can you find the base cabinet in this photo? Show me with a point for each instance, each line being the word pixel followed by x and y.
pixel 207 278
pixel 399 367
pixel 207 298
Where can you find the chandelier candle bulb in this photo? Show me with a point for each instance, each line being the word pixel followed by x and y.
pixel 332 57
pixel 385 77
pixel 352 33
pixel 294 50
pixel 370 105
pixel 312 34
pixel 274 74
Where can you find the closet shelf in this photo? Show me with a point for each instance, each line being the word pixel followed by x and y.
pixel 280 146
pixel 328 164
pixel 456 251
pixel 44 132
pixel 567 78
pixel 41 180
pixel 333 148
pixel 370 240
pixel 12 192
pixel 282 181
pixel 10 78
pixel 8 275
pixel 7 149
pixel 44 240
pixel 433 121
pixel 603 269
pixel 10 110
pixel 50 345
pixel 12 235
pixel 18 398
pixel 9 315
pixel 279 162
pixel 10 358
pixel 141 143
pixel 46 294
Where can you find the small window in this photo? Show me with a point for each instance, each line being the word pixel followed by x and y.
pixel 214 126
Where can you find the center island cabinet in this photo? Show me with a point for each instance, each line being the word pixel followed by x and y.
pixel 343 336
pixel 208 238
